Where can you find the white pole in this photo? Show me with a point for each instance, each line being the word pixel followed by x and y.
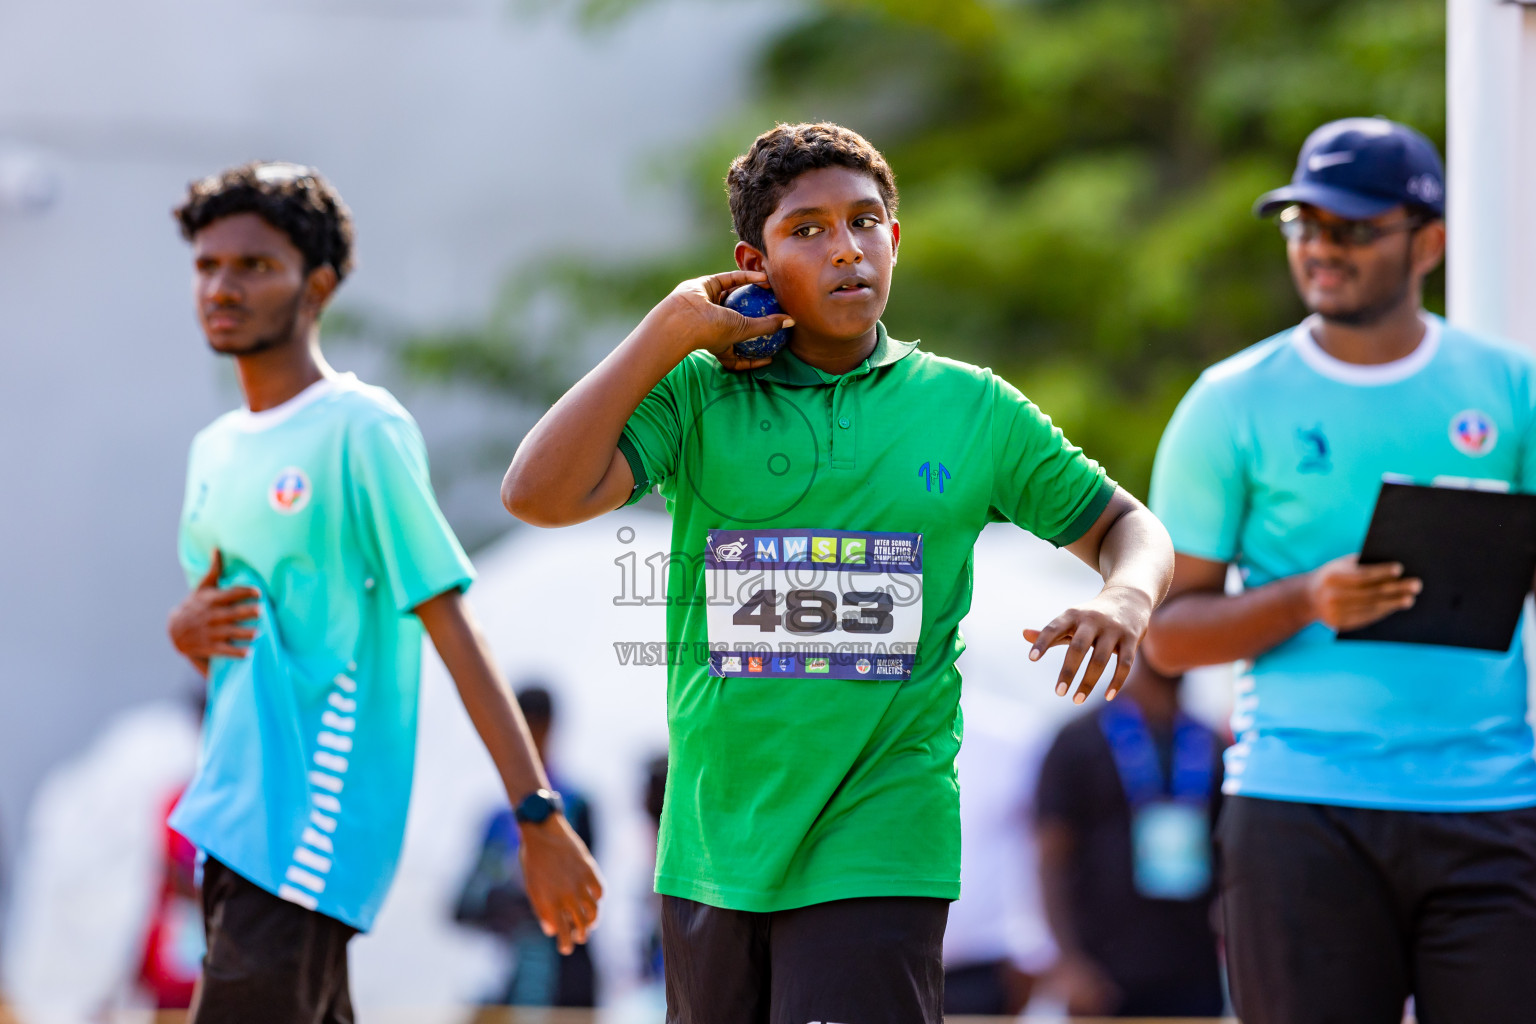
pixel 1491 167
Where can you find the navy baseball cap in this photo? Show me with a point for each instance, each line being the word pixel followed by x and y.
pixel 1361 167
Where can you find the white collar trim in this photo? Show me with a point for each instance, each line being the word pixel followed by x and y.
pixel 1366 374
pixel 266 419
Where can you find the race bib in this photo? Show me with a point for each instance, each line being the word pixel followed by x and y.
pixel 831 604
pixel 1171 842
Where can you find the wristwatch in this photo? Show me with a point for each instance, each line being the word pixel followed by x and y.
pixel 538 806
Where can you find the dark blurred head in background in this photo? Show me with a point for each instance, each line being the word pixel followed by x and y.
pixel 538 707
pixel 271 242
pixel 655 787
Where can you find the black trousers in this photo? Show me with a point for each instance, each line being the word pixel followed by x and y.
pixel 268 961
pixel 859 960
pixel 1338 914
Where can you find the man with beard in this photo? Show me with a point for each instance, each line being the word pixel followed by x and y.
pixel 318 554
pixel 1378 839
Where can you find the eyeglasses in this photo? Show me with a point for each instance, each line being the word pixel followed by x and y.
pixel 1296 226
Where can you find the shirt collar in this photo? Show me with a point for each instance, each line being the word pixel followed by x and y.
pixel 1367 374
pixel 255 422
pixel 788 368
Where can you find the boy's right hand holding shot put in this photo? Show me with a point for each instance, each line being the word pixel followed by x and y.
pixel 569 468
pixel 826 501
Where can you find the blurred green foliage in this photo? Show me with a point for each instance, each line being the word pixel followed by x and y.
pixel 1075 175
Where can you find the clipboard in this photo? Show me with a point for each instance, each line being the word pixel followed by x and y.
pixel 1476 553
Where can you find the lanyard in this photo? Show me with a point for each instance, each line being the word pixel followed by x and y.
pixel 1130 743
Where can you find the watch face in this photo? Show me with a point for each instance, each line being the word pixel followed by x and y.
pixel 538 806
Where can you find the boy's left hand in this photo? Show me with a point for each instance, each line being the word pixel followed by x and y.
pixel 1112 623
pixel 562 880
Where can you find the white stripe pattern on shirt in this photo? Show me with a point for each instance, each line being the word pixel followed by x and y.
pixel 308 868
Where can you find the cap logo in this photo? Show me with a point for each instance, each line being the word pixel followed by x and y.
pixel 1318 161
pixel 1426 188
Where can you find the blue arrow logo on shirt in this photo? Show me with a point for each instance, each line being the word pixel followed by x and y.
pixel 926 472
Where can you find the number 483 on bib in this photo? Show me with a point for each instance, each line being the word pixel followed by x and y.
pixel 813 603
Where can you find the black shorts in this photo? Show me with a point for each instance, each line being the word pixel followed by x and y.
pixel 860 961
pixel 1338 914
pixel 268 961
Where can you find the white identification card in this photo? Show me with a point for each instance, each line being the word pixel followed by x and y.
pixel 1171 843
pixel 837 604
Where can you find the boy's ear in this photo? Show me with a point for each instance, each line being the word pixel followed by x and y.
pixel 319 286
pixel 1427 247
pixel 750 257
pixel 895 240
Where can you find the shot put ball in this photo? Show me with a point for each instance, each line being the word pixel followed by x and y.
pixel 753 301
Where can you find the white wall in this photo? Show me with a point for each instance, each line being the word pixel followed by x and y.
pixel 467 138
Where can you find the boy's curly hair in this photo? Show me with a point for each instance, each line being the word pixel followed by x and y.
pixel 759 177
pixel 296 200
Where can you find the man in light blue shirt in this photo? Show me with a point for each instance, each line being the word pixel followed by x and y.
pixel 1380 837
pixel 317 554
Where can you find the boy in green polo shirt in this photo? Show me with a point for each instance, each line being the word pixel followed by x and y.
pixel 826 501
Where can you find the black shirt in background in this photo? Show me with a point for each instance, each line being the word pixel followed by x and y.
pixel 1160 953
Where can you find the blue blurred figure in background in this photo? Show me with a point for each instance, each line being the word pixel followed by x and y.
pixel 1125 812
pixel 494 898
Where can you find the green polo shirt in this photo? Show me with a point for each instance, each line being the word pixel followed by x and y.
pixel 831 518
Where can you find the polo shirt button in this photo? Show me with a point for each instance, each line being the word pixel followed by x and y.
pixel 368 583
pixel 844 423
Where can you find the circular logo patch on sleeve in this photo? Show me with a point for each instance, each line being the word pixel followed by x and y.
pixel 290 492
pixel 1474 433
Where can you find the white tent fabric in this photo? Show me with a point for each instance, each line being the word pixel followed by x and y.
pixel 90 867
pixel 548 601
pixel 554 604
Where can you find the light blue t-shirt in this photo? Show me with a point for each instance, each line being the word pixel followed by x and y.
pixel 1273 462
pixel 325 506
